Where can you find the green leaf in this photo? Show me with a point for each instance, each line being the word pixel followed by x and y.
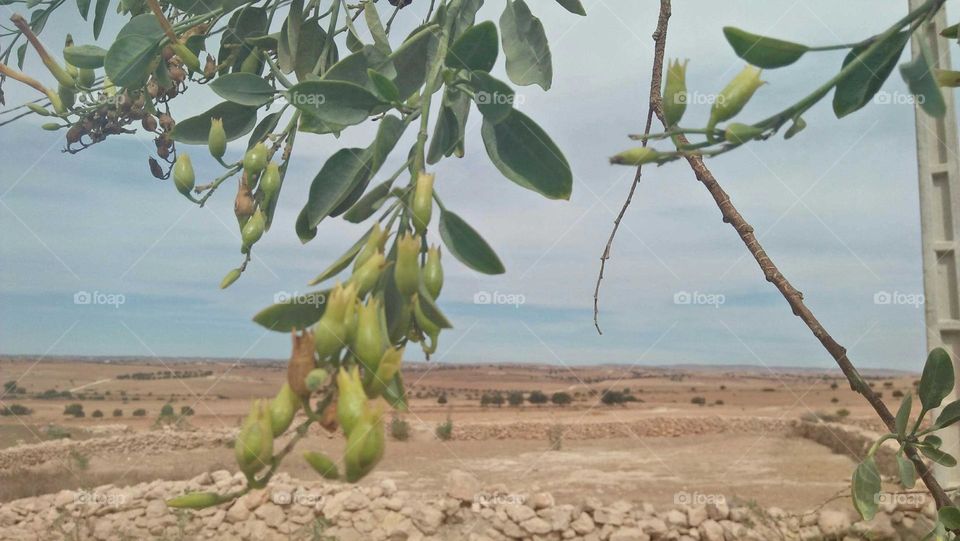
pixel 195 7
pixel 903 415
pixel 83 6
pixel 798 125
pixel 333 183
pixel 908 473
pixel 389 132
pixel 238 120
pixel 243 89
pixel 410 61
pixel 494 98
pixel 130 60
pixel 99 15
pixel 249 22
pixel 937 381
pixel 335 102
pixel 949 415
pixel 369 203
pixel 938 456
pixel 525 154
pixel 294 313
pixel 467 245
pixel 430 309
pixel 21 54
pixel 761 51
pixel 857 88
pixel 950 517
pixel 372 18
pixel 85 56
pixel 865 486
pixel 142 25
pixel 573 6
pixel 476 49
pixel 525 46
pixel 309 48
pixel 918 73
pixel 385 87
pixel 933 440
pixel 267 125
pixel 342 262
pixel 445 136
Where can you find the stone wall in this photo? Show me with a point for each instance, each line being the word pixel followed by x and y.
pixel 380 511
pixel 853 441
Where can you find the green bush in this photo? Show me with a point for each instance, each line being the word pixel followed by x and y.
pixel 139 412
pixel 118 412
pixel 444 430
pixel 561 398
pixel 97 414
pixel 399 429
pixel 75 409
pixel 537 397
pixel 515 398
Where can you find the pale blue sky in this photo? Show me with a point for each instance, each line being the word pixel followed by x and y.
pixel 836 207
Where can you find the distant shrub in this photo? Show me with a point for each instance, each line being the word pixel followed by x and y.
pixel 698 400
pixel 843 412
pixel 80 461
pixel 515 398
pixel 769 390
pixel 55 432
pixel 537 397
pixel 612 398
pixel 442 399
pixel 444 430
pixel 561 398
pixel 186 411
pixel 399 429
pixel 897 393
pixel 118 412
pixel 76 410
pixel 15 409
pixel 166 410
pixel 718 403
pixel 888 384
pixel 97 414
pixel 139 412
pixel 834 400
pixel 834 385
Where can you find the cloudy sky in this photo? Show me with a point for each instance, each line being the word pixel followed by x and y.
pixel 836 207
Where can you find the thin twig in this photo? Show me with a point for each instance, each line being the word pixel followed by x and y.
pixel 655 78
pixel 772 274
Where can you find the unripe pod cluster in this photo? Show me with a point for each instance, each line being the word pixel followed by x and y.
pixel 387 368
pixel 252 230
pixel 351 398
pixel 406 274
pixel 217 139
pixel 254 161
pixel 368 344
pixel 330 333
pixel 422 204
pixel 364 445
pixel 433 272
pixel 675 93
pixel 270 182
pixel 366 276
pixel 635 156
pixel 427 327
pixel 195 500
pixel 374 244
pixel 183 176
pixel 282 409
pixel 734 96
pixel 738 133
pixel 254 444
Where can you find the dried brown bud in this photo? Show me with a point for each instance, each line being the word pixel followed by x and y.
pixel 210 68
pixel 166 122
pixel 153 88
pixel 178 74
pixel 74 134
pixel 149 123
pixel 155 168
pixel 244 204
pixel 167 53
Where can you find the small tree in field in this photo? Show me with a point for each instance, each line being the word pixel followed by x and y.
pixel 561 398
pixel 515 398
pixel 75 410
pixel 537 397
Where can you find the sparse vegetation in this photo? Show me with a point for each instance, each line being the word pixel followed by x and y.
pixel 15 409
pixel 698 400
pixel 561 398
pixel 515 398
pixel 399 428
pixel 97 414
pixel 74 410
pixel 140 412
pixel 118 412
pixel 537 397
pixel 444 430
pixel 555 436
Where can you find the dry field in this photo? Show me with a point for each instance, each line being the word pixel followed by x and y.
pixel 766 466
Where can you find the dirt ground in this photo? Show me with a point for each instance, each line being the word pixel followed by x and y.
pixel 771 468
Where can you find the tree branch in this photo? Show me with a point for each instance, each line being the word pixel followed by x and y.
pixel 772 274
pixel 655 78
